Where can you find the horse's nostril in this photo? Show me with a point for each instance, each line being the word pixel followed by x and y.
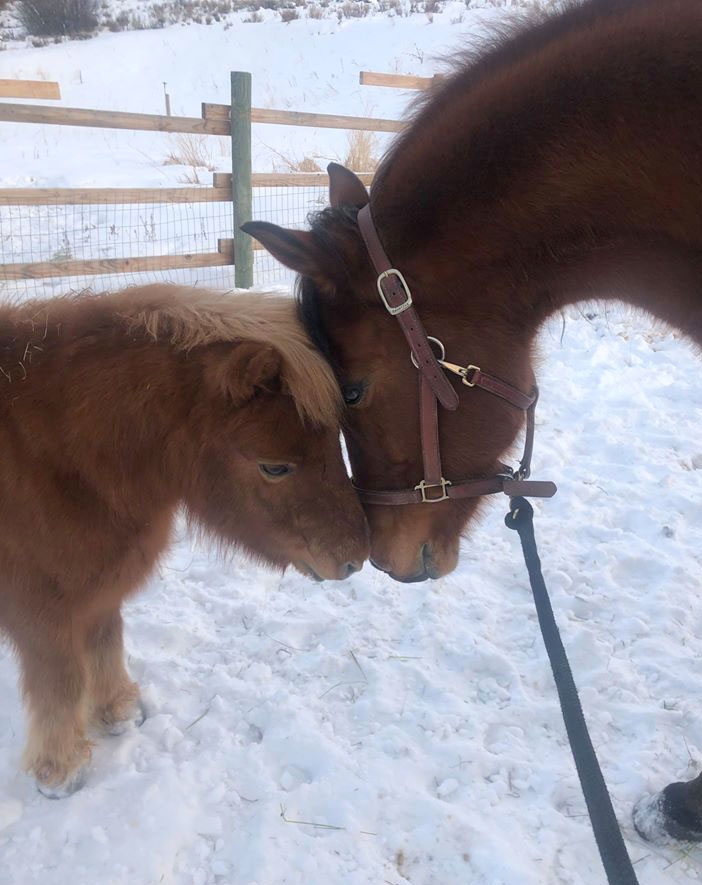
pixel 428 561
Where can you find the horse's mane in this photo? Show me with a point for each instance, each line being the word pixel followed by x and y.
pixel 508 40
pixel 511 92
pixel 188 318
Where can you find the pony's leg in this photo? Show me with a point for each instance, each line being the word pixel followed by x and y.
pixel 115 698
pixel 54 681
pixel 674 813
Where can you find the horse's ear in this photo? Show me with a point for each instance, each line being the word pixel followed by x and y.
pixel 345 187
pixel 295 249
pixel 239 372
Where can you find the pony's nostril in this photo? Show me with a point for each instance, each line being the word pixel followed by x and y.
pixel 350 568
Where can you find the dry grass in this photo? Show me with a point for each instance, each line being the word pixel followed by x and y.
pixel 291 164
pixel 191 150
pixel 360 153
pixel 353 9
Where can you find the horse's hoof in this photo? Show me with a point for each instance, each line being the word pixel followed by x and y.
pixel 665 816
pixel 119 726
pixel 69 786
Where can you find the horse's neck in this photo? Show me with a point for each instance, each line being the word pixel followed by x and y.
pixel 568 172
pixel 657 275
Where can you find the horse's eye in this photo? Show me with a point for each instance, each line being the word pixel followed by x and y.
pixel 353 393
pixel 275 471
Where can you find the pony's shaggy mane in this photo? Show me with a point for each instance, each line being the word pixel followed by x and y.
pixel 188 318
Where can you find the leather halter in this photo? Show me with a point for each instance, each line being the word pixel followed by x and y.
pixel 434 387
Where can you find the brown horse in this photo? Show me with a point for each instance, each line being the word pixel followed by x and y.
pixel 562 164
pixel 116 410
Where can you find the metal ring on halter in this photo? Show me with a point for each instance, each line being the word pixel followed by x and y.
pixel 439 358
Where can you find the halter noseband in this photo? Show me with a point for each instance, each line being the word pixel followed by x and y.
pixel 434 387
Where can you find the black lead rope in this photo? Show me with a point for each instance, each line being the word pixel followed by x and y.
pixel 610 843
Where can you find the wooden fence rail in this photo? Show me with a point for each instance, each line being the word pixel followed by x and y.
pixel 398 81
pixel 94 196
pixel 78 268
pixel 29 113
pixel 218 112
pixel 211 124
pixel 30 89
pixel 220 192
pixel 233 121
pixel 284 179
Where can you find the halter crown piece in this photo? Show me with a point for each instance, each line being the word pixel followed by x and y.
pixel 434 387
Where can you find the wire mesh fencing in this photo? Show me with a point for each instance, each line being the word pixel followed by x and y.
pixel 42 245
pixel 39 244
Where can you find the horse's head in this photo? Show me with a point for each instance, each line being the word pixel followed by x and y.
pixel 269 474
pixel 344 314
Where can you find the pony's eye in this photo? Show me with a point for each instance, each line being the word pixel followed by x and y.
pixel 353 393
pixel 275 471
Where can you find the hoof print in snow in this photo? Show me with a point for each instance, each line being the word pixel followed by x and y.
pixel 447 788
pixel 254 735
pixel 292 777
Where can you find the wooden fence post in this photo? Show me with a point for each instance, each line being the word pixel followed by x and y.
pixel 241 177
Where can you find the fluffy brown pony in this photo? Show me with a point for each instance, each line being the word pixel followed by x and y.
pixel 115 410
pixel 562 164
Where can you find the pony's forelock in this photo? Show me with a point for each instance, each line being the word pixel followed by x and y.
pixel 188 318
pixel 191 318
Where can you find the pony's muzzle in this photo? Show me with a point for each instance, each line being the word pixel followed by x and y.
pixel 330 571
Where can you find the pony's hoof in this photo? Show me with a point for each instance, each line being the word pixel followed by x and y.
pixel 69 786
pixel 665 816
pixel 119 726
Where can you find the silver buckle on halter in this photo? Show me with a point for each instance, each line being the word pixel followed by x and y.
pixel 440 359
pixel 393 272
pixel 424 485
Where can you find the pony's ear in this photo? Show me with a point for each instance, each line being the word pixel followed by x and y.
pixel 345 187
pixel 295 249
pixel 241 371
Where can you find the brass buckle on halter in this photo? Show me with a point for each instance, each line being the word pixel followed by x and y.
pixel 468 374
pixel 424 485
pixel 475 370
pixel 386 274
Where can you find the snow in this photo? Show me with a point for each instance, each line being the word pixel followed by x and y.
pixel 367 731
pixel 308 65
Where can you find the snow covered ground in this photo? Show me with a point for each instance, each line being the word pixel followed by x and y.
pixel 366 731
pixel 305 65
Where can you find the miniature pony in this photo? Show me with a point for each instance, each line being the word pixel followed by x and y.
pixel 116 410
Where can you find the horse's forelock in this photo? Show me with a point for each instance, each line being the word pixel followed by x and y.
pixel 309 305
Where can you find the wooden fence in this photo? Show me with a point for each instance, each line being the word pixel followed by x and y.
pixel 234 121
pixel 30 89
pixel 398 81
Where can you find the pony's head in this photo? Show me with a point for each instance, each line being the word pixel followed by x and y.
pixel 268 473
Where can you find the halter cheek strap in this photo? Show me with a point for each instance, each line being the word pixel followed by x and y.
pixel 434 387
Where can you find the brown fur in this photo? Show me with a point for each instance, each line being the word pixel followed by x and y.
pixel 561 165
pixel 115 410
